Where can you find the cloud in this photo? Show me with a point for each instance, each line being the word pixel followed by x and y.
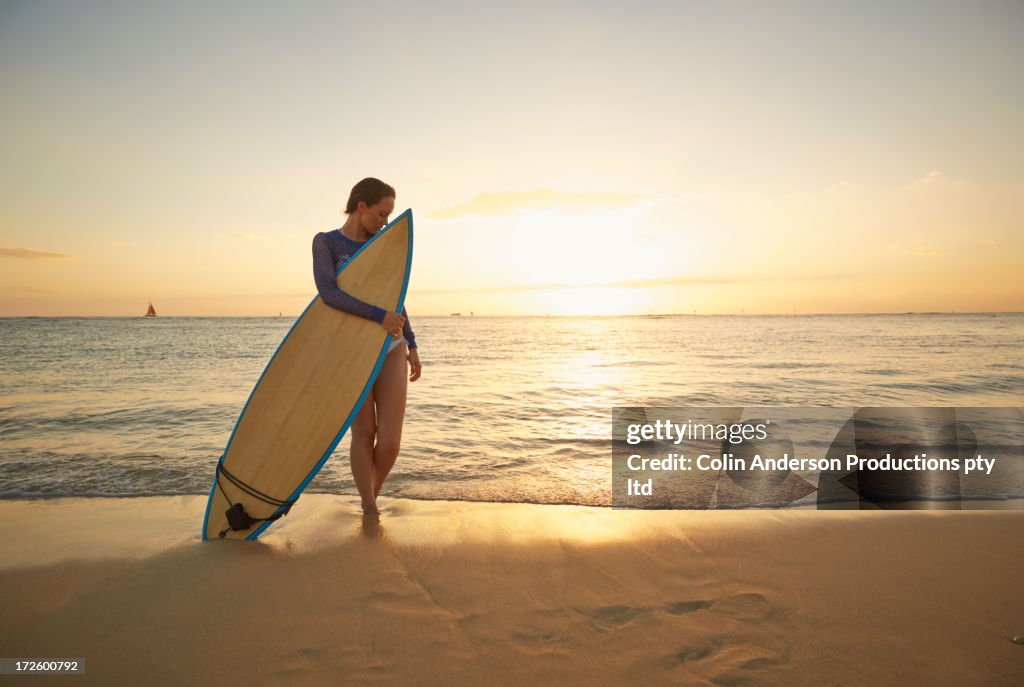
pixel 29 254
pixel 509 202
pixel 631 284
pixel 636 284
pixel 839 186
pixel 936 178
pixel 30 291
pixel 928 252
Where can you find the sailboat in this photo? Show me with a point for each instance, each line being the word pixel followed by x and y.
pixel 151 312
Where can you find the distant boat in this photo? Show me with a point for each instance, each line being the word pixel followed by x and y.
pixel 151 312
pixel 455 314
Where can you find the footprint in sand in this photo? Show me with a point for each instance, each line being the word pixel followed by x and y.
pixel 609 618
pixel 747 606
pixel 752 671
pixel 543 627
pixel 696 649
pixel 682 607
pixel 387 599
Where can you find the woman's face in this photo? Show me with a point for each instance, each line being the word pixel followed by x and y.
pixel 375 217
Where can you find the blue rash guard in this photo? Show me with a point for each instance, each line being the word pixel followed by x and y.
pixel 331 249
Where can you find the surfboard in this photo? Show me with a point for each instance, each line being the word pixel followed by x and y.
pixel 309 392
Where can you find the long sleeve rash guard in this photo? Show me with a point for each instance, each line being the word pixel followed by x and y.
pixel 331 249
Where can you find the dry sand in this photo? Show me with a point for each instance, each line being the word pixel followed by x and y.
pixel 454 593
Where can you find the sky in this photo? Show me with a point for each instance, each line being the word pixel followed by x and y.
pixel 560 158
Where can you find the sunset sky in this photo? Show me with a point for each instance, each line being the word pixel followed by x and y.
pixel 559 158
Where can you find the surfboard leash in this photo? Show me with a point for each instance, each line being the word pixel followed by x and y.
pixel 238 519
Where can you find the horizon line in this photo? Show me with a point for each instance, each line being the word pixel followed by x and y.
pixel 546 315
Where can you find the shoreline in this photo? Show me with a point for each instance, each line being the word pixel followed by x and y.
pixel 967 504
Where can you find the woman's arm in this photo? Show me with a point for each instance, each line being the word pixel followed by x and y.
pixel 326 280
pixel 407 330
pixel 414 355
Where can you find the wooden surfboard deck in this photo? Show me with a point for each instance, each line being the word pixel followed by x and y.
pixel 311 389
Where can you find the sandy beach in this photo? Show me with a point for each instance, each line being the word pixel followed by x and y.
pixel 468 593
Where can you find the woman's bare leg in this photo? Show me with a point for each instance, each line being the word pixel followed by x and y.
pixel 364 429
pixel 390 392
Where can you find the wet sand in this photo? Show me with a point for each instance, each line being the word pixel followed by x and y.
pixel 443 593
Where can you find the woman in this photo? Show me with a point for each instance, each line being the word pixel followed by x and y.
pixel 377 428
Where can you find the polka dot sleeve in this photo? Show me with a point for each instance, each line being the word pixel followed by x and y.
pixel 325 276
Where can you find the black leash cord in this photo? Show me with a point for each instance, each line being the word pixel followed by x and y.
pixel 251 491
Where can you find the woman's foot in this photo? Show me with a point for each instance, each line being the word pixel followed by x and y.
pixel 370 510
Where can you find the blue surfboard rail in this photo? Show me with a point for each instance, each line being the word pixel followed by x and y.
pixel 355 409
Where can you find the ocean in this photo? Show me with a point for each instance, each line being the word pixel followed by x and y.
pixel 513 409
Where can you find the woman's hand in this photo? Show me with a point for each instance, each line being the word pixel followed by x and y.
pixel 393 323
pixel 414 364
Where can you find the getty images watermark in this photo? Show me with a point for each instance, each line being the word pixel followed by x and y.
pixel 824 458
